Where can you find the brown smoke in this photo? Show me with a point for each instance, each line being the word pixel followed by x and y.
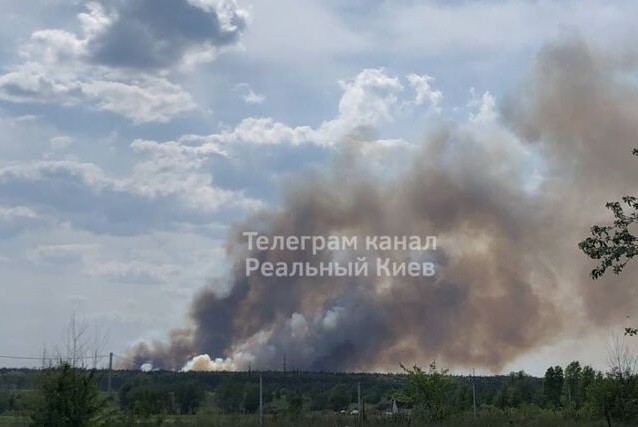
pixel 510 276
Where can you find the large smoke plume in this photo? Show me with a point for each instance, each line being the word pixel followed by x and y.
pixel 509 199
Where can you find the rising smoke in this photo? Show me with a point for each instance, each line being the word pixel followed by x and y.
pixel 508 198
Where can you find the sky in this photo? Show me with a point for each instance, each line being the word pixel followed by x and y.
pixel 135 133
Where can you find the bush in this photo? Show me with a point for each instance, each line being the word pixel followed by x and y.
pixel 69 397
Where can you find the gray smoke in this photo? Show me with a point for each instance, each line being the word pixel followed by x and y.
pixel 508 200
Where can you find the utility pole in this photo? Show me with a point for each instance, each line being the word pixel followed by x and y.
pixel 110 370
pixel 473 394
pixel 359 402
pixel 284 363
pixel 261 400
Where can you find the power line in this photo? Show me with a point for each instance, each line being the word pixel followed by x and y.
pixel 20 357
pixel 100 356
pixel 130 362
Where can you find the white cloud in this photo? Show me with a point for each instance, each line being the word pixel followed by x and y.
pixel 11 213
pixel 161 191
pixel 173 170
pixel 369 101
pixel 421 83
pixel 61 142
pixel 249 95
pixel 14 219
pixel 171 183
pixel 484 105
pixel 253 98
pixel 60 254
pixel 144 100
pixel 32 83
pixel 114 64
pixel 132 271
pixel 54 47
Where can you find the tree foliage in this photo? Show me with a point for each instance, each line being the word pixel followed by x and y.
pixel 614 245
pixel 553 386
pixel 427 391
pixel 515 391
pixel 70 397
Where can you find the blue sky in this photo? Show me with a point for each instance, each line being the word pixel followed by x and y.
pixel 134 133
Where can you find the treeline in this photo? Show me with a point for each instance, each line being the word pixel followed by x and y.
pixel 572 392
pixel 238 392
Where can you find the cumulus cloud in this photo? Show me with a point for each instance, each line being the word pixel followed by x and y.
pixel 484 107
pixel 162 33
pixel 122 58
pixel 158 193
pixel 371 99
pixel 424 93
pixel 144 98
pixel 254 98
pixel 147 99
pixel 249 95
pixel 14 219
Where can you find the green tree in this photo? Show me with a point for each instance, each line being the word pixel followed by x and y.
pixel 614 245
pixel 339 398
pixel 70 398
pixel 251 398
pixel 428 392
pixel 189 396
pixel 230 396
pixel 573 385
pixel 295 403
pixel 553 386
pixel 615 398
pixel 516 390
pixel 145 398
pixel 588 377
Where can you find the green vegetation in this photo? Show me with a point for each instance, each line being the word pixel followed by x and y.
pixel 613 246
pixel 69 397
pixel 428 393
pixel 573 395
